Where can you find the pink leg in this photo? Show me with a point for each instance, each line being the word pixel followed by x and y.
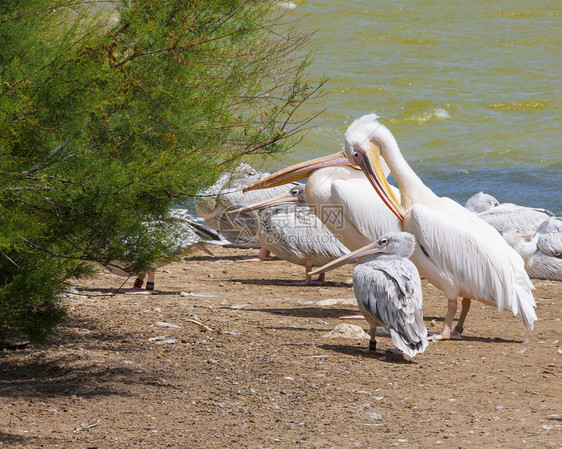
pixel 308 280
pixel 137 288
pixel 446 333
pixel 464 312
pixel 263 255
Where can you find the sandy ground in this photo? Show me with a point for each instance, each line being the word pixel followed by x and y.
pixel 137 371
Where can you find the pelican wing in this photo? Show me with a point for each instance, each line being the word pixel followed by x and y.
pixel 552 224
pixel 389 293
pixel 541 266
pixel 509 216
pixel 467 257
pixel 362 206
pixel 295 234
pixel 551 244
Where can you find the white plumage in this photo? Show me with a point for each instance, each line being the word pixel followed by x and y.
pixel 541 251
pixel 506 216
pixel 183 234
pixel 227 194
pixel 456 251
pixel 347 204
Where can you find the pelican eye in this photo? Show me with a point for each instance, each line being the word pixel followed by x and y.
pixel 383 241
pixel 295 192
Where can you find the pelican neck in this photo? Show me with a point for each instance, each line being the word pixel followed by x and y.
pixel 412 188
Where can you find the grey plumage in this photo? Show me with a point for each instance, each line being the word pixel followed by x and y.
pixel 293 233
pixel 481 202
pixel 226 194
pixel 388 290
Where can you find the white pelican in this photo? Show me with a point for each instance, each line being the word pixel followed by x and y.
pixel 289 229
pixel 184 234
pixel 227 194
pixel 388 290
pixel 342 197
pixel 506 216
pixel 456 251
pixel 541 251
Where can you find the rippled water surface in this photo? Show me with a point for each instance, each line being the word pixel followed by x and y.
pixel 471 90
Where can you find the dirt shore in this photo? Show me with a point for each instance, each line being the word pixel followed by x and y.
pixel 226 355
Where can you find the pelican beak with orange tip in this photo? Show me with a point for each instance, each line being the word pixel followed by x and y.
pixel 370 162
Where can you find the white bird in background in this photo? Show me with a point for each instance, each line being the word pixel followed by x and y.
pixel 456 251
pixel 506 216
pixel 184 234
pixel 289 229
pixel 226 194
pixel 542 250
pixel 342 198
pixel 388 290
pixel 480 202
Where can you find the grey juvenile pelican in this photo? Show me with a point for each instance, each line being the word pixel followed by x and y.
pixel 456 251
pixel 388 290
pixel 226 194
pixel 289 229
pixel 506 216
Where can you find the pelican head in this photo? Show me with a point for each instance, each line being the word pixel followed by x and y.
pixel 481 202
pixel 391 245
pixel 363 145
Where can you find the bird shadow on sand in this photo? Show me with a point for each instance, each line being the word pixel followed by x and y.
pixel 387 357
pixel 14 440
pixel 306 312
pixel 489 339
pixel 115 292
pixel 287 283
pixel 236 258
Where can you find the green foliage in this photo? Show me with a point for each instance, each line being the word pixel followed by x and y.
pixel 111 111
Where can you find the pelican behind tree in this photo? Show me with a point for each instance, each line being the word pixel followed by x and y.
pixel 227 194
pixel 456 251
pixel 184 234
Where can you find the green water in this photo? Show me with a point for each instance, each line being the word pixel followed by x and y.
pixel 471 90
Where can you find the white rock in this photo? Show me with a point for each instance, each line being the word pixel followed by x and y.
pixel 202 294
pixel 348 331
pixel 164 324
pixel 332 302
